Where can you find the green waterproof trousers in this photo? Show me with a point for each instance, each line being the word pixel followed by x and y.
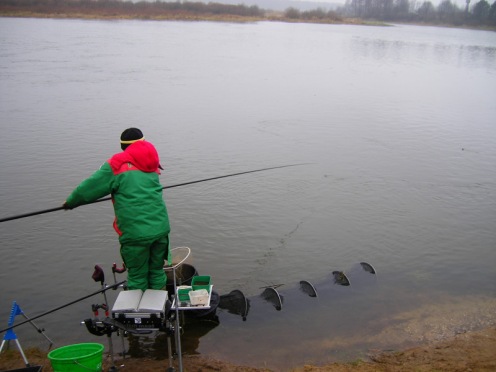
pixel 144 261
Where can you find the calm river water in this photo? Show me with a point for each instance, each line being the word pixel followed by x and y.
pixel 397 123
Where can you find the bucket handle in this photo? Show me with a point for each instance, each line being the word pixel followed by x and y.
pixel 88 368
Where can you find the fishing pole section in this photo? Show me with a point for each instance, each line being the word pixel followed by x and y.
pixel 44 211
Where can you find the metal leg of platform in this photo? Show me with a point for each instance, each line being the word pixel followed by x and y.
pixel 112 368
pixel 177 327
pixel 121 333
pixel 169 331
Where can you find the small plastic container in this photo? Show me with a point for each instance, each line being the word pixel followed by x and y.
pixel 201 282
pixel 198 297
pixel 183 292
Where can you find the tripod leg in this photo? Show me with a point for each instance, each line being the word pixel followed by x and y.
pixel 3 343
pixel 22 352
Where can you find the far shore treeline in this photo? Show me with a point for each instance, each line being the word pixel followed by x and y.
pixel 475 13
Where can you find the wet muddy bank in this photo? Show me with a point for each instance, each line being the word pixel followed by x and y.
pixel 463 352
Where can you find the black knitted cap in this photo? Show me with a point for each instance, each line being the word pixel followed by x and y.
pixel 129 136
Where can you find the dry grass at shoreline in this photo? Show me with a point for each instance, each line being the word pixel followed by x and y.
pixel 112 16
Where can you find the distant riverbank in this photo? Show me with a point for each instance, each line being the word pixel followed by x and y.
pixel 179 17
pixel 114 10
pixel 197 11
pixel 208 17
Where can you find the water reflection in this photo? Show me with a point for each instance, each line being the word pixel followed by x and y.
pixel 155 345
pixel 416 51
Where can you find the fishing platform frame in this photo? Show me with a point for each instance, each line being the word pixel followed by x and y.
pixel 139 313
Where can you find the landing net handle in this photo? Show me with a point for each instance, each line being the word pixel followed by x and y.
pixel 176 258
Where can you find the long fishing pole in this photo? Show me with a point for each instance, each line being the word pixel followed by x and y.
pixel 165 187
pixel 113 286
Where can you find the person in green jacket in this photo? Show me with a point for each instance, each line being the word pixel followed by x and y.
pixel 131 177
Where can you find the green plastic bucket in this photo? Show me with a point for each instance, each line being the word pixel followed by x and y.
pixel 77 358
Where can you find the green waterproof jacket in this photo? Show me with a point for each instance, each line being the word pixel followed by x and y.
pixel 132 178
